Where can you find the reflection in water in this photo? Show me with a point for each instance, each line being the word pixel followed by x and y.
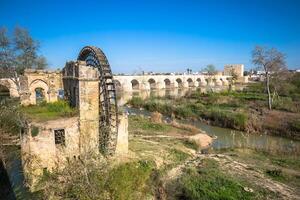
pixel 226 138
pixel 229 138
pixel 123 96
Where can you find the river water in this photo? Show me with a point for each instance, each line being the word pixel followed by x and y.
pixel 225 138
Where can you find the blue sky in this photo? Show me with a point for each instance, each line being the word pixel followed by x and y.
pixel 160 35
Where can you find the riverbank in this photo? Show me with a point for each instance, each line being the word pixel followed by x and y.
pixel 240 110
pixel 164 163
pixel 182 173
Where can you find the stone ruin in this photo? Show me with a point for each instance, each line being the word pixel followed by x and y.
pixel 98 129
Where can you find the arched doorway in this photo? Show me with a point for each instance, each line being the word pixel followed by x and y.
pixel 167 83
pixel 4 92
pixel 179 83
pixel 190 82
pixel 39 95
pixel 152 83
pixel 135 84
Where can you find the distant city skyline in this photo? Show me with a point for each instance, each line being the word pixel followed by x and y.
pixel 159 36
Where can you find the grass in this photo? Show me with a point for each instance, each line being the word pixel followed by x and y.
pixel 140 123
pixel 130 180
pixel 49 111
pixel 178 156
pixel 208 182
pixel 240 110
pixel 81 180
pixel 280 167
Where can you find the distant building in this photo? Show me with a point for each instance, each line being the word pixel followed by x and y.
pixel 237 68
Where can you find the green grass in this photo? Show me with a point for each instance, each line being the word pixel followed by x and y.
pixel 34 131
pixel 178 156
pixel 207 106
pixel 49 111
pixel 139 123
pixel 82 181
pixel 208 182
pixel 130 180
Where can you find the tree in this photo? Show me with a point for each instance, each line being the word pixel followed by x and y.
pixel 18 53
pixel 210 69
pixel 272 62
pixel 41 62
pixel 233 78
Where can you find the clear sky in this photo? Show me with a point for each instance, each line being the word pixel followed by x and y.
pixel 160 35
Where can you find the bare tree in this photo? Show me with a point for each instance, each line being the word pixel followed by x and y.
pixel 18 53
pixel 41 62
pixel 272 62
pixel 8 58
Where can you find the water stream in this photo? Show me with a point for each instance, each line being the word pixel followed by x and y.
pixel 227 138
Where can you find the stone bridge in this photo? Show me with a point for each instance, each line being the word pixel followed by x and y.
pixel 147 82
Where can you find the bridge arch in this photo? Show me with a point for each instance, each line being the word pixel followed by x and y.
pixel 135 84
pixel 152 83
pixel 190 82
pixel 179 82
pixel 118 84
pixel 167 83
pixel 198 81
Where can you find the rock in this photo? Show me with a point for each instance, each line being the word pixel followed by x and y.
pixel 247 189
pixel 202 140
pixel 156 117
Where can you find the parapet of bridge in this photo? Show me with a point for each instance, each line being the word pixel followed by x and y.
pixel 147 82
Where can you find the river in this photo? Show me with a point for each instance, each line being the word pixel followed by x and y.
pixel 225 138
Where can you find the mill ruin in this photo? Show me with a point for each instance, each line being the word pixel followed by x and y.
pixel 98 129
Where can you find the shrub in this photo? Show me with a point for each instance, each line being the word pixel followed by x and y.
pixel 209 183
pixel 136 102
pixel 145 124
pixel 286 104
pixel 34 131
pixel 178 156
pixel 89 180
pixel 130 180
pixel 183 111
pixel 48 111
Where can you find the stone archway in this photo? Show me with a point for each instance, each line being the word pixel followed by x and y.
pixel 179 83
pixel 40 95
pixel 199 82
pixel 43 89
pixel 167 83
pixel 152 83
pixel 135 84
pixel 118 85
pixel 190 82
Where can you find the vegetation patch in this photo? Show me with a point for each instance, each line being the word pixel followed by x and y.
pixel 207 182
pixel 49 111
pixel 141 123
pixel 34 131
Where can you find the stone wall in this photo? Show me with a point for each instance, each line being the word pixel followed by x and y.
pixel 49 81
pixel 39 150
pixel 237 68
pixel 81 85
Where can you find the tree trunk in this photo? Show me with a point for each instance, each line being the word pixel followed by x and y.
pixel 269 92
